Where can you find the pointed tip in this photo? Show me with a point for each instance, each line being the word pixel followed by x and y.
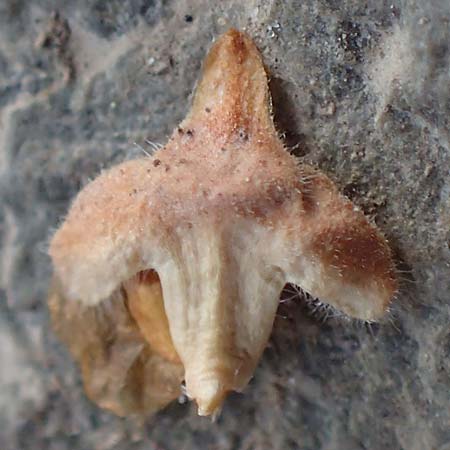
pixel 233 92
pixel 234 32
pixel 211 396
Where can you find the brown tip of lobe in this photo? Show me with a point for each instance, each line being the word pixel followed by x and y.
pixel 361 258
pixel 358 252
pixel 233 92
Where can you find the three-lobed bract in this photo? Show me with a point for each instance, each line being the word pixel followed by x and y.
pixel 170 268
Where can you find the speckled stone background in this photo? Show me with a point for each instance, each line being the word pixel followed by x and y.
pixel 361 89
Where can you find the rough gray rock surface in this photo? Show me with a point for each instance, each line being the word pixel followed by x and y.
pixel 360 88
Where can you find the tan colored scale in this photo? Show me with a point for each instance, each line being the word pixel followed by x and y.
pixel 170 268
